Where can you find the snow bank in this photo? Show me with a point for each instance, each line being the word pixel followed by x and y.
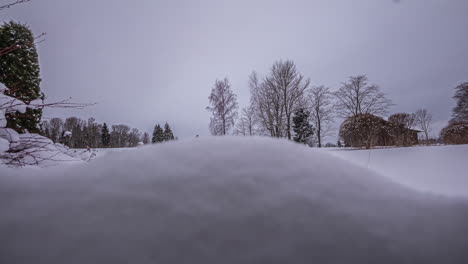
pixel 223 200
pixel 35 150
pixel 437 169
pixel 4 145
pixel 9 134
pixel 9 104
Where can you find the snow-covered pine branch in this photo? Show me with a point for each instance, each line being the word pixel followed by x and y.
pixel 18 45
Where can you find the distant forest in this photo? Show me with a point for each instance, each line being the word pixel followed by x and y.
pixel 78 133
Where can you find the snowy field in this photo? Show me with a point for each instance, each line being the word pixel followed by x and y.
pixel 236 200
pixel 436 169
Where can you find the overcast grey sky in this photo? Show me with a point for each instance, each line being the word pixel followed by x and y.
pixel 151 61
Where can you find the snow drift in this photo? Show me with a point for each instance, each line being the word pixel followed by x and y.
pixel 27 149
pixel 223 200
pixel 435 169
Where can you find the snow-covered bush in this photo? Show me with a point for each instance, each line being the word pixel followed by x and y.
pixel 366 130
pixel 36 150
pixel 362 130
pixel 455 133
pixel 4 145
pixel 29 149
pixel 400 129
pixel 9 134
pixel 8 104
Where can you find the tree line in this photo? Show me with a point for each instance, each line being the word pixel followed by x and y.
pixel 284 104
pixel 78 133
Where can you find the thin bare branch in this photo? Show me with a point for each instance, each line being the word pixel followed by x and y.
pixel 13 4
pixel 358 97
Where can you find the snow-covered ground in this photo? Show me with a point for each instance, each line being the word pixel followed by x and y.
pixel 27 149
pixel 223 200
pixel 436 169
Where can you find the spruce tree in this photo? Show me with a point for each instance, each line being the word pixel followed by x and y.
pixel 158 134
pixel 19 71
pixel 168 135
pixel 155 134
pixel 105 136
pixel 303 130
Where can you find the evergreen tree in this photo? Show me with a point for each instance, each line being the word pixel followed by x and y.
pixel 155 134
pixel 19 71
pixel 168 135
pixel 303 130
pixel 158 134
pixel 105 136
pixel 338 144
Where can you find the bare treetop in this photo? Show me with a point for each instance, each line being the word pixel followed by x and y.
pixel 423 120
pixel 223 106
pixel 287 87
pixel 246 125
pixel 321 109
pixel 357 96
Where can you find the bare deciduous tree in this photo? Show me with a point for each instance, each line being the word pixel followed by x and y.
pixel 146 138
pixel 119 136
pixel 266 104
pixel 423 120
pixel 223 107
pixel 289 86
pixel 246 124
pixel 56 125
pixel 241 128
pixel 276 98
pixel 321 109
pixel 358 97
pixel 134 137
